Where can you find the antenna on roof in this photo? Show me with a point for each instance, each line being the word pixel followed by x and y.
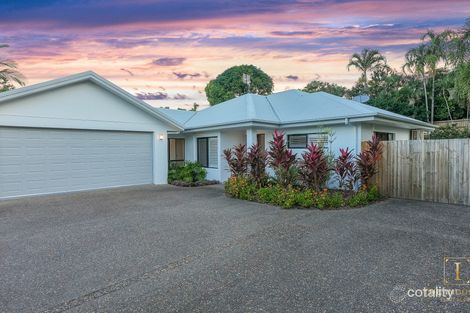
pixel 247 81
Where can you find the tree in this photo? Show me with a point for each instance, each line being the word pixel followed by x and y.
pixel 229 84
pixel 415 63
pixel 366 61
pixel 434 52
pixel 462 83
pixel 9 74
pixel 335 89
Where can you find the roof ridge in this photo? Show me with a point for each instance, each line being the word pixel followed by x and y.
pixel 272 108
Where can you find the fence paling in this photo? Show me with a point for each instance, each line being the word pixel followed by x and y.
pixel 432 170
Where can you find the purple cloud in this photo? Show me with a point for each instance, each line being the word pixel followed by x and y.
pixel 292 33
pixel 181 75
pixel 168 61
pixel 292 77
pixel 152 95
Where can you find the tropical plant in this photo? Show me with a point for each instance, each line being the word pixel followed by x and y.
pixel 237 160
pixel 449 132
pixel 282 160
pixel 415 63
pixel 9 73
pixel 257 160
pixel 189 172
pixel 313 169
pixel 229 84
pixel 366 61
pixel 367 161
pixel 346 170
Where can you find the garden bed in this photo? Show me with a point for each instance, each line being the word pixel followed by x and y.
pixel 242 188
pixel 182 183
pixel 303 182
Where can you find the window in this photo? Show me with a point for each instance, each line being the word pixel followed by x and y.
pixel 261 139
pixel 302 141
pixel 385 136
pixel 207 154
pixel 176 150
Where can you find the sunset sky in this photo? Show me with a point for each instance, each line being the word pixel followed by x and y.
pixel 167 51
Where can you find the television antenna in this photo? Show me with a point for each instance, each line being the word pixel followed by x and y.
pixel 247 81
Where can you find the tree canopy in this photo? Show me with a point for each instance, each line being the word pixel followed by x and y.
pixel 9 74
pixel 229 84
pixel 334 89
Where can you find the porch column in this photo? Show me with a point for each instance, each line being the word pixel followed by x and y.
pixel 250 137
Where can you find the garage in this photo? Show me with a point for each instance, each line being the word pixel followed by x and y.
pixel 38 161
pixel 79 132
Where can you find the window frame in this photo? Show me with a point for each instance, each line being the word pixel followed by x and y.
pixel 306 139
pixel 207 151
pixel 170 161
pixel 389 135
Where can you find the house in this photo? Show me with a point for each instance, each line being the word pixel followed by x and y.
pixel 82 132
pixel 318 117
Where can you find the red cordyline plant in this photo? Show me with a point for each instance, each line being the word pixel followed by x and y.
pixel 237 160
pixel 346 170
pixel 257 161
pixel 282 160
pixel 314 167
pixel 367 160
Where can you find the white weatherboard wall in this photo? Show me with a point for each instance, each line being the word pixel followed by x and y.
pixel 369 129
pixel 228 140
pixel 87 106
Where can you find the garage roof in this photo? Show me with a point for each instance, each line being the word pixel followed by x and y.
pixel 98 80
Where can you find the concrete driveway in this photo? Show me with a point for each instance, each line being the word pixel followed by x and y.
pixel 169 249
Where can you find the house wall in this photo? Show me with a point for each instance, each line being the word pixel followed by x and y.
pixel 86 105
pixel 369 129
pixel 228 140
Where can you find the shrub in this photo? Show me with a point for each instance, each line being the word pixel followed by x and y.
pixel 269 194
pixel 257 160
pixel 305 199
pixel 373 194
pixel 314 169
pixel 359 199
pixel 449 132
pixel 325 199
pixel 240 187
pixel 346 170
pixel 189 172
pixel 367 161
pixel 287 198
pixel 237 160
pixel 282 161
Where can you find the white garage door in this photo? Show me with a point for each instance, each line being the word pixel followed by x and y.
pixel 37 161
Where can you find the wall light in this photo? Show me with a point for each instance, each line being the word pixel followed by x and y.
pixel 161 137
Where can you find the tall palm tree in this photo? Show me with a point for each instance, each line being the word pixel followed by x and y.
pixel 367 60
pixel 415 63
pixel 9 72
pixel 435 52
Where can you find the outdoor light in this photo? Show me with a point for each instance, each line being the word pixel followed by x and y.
pixel 161 137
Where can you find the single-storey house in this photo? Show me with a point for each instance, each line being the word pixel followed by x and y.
pixel 82 132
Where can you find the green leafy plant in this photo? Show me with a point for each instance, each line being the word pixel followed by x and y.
pixel 449 132
pixel 325 199
pixel 359 199
pixel 305 199
pixel 189 172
